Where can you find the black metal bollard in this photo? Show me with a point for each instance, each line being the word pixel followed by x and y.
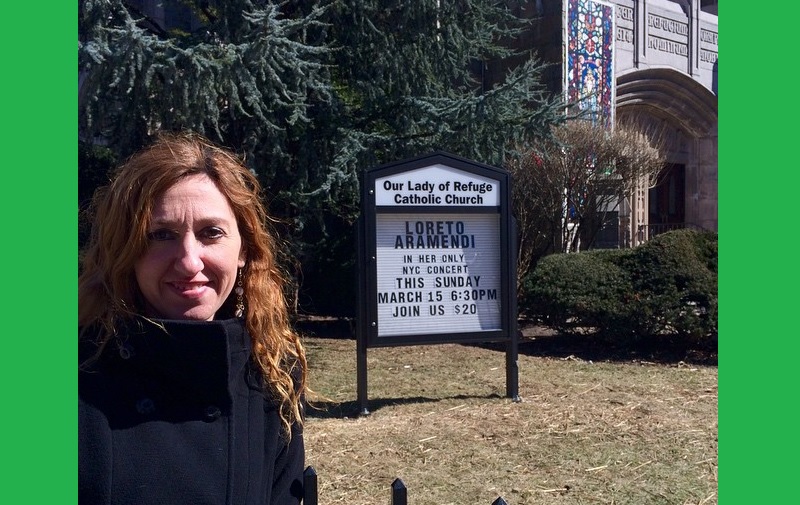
pixel 399 493
pixel 310 486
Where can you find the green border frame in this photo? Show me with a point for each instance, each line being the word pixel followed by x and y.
pixel 758 259
pixel 40 91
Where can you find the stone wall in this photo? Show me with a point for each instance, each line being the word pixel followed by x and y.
pixel 666 68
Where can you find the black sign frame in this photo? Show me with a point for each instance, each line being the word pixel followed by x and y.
pixel 367 319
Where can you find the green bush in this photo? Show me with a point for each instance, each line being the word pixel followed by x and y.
pixel 667 286
pixel 674 278
pixel 579 291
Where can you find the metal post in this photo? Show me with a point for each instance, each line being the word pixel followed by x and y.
pixel 512 346
pixel 310 486
pixel 361 366
pixel 362 328
pixel 399 493
pixel 512 368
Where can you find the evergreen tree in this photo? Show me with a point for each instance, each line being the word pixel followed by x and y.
pixel 312 92
pixel 405 82
pixel 244 75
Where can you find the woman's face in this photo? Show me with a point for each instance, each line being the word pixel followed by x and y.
pixel 194 252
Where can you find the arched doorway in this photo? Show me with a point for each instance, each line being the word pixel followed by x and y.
pixel 685 113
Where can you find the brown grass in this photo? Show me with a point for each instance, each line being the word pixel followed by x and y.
pixel 615 432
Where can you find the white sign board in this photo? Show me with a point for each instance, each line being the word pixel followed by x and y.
pixel 438 186
pixel 438 273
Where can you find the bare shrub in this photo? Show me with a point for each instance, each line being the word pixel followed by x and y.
pixel 565 186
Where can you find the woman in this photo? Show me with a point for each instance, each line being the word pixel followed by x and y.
pixel 190 377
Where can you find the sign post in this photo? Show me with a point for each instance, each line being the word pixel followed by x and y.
pixel 437 261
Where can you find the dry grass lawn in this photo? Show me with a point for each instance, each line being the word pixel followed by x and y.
pixel 603 431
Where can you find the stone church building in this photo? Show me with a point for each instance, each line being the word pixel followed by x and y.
pixel 652 60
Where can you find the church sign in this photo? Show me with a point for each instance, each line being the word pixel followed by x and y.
pixel 436 262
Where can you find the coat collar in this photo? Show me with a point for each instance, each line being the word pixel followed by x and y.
pixel 193 361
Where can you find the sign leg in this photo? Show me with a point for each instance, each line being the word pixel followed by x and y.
pixel 512 369
pixel 361 369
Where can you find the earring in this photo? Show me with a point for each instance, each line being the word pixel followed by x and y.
pixel 239 290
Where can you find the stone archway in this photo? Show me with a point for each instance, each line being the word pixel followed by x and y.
pixel 669 95
pixel 687 113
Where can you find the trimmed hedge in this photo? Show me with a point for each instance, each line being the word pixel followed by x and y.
pixel 577 291
pixel 665 286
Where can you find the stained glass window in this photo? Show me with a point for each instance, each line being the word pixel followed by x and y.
pixel 590 70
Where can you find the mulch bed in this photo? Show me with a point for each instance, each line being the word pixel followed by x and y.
pixel 537 340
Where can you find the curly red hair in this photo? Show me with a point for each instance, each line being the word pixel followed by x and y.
pixel 107 287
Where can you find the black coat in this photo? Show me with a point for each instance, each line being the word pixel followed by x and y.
pixel 179 417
